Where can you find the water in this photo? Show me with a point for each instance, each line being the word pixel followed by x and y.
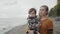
pixel 9 9
pixel 7 24
pixel 56 26
pixel 22 28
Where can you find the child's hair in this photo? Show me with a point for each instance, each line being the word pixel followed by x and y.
pixel 32 9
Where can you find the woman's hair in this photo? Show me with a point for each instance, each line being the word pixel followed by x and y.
pixel 47 9
pixel 32 9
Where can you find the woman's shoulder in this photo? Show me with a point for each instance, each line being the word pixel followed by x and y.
pixel 50 23
pixel 49 19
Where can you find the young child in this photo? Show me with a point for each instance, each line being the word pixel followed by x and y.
pixel 32 20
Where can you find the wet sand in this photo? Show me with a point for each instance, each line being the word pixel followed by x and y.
pixel 17 30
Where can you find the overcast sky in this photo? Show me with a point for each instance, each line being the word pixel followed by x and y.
pixel 19 8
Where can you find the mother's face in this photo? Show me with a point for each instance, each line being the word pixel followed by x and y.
pixel 42 11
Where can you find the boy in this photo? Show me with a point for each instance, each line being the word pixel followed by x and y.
pixel 32 21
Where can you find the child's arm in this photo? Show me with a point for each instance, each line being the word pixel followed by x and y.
pixel 38 23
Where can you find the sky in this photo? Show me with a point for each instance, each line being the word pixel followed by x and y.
pixel 20 8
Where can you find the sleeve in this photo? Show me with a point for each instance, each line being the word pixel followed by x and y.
pixel 50 24
pixel 50 27
pixel 43 29
pixel 36 19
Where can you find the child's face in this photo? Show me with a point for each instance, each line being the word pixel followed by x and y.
pixel 32 14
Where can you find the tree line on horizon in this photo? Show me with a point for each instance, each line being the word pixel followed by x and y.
pixel 55 11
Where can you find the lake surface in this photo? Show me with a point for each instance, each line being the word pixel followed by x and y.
pixel 8 23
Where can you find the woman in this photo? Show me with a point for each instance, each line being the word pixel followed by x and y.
pixel 46 23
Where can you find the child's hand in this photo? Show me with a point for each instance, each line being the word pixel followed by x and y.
pixel 37 25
